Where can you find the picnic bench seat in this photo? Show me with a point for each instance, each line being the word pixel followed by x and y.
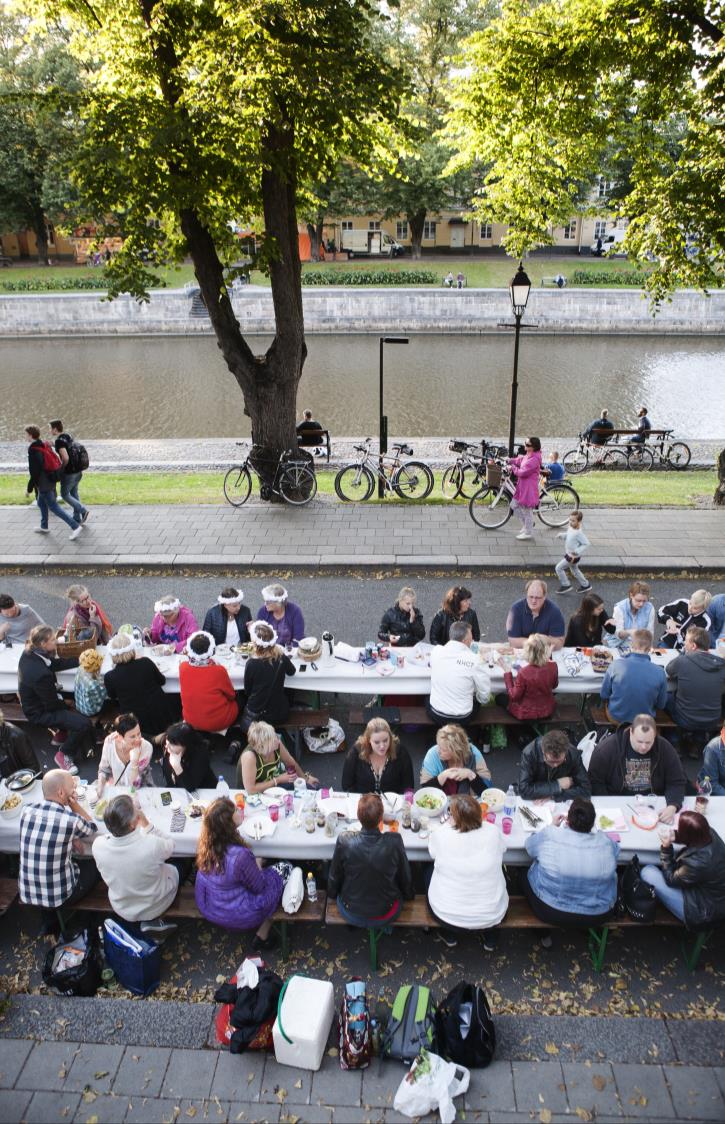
pixel 565 714
pixel 315 439
pixel 8 893
pixel 13 712
pixel 554 282
pixel 416 914
pixel 601 718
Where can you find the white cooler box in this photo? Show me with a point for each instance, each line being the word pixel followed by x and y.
pixel 303 1022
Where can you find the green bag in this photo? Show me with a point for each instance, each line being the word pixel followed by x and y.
pixel 411 1026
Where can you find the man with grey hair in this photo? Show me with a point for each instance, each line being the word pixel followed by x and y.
pixel 50 832
pixel 132 861
pixel 457 678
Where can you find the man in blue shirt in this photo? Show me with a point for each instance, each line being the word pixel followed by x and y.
pixel 633 684
pixel 716 612
pixel 554 468
pixel 535 613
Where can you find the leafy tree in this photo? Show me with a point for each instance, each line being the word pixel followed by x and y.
pixel 210 112
pixel 347 190
pixel 553 93
pixel 39 82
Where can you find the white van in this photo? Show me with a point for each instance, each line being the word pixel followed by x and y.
pixel 370 243
pixel 611 246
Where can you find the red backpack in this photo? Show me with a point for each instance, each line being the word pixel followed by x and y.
pixel 51 460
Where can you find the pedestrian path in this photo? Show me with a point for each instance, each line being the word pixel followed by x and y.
pixel 625 540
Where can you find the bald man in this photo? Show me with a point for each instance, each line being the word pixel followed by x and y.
pixel 49 875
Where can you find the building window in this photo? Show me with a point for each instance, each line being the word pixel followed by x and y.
pixel 486 231
pixel 401 229
pixel 429 231
pixel 373 225
pixel 51 233
pixel 603 187
pixel 600 228
pixel 346 224
pixel 570 229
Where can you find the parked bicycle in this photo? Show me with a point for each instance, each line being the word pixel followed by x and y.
pixel 465 476
pixel 584 456
pixel 294 480
pixel 673 454
pixel 411 480
pixel 491 506
pixel 635 457
pixel 632 458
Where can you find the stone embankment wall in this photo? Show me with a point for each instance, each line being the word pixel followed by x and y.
pixel 369 311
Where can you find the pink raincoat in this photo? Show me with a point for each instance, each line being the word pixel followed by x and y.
pixel 528 471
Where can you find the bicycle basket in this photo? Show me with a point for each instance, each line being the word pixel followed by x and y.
pixel 493 475
pixel 458 446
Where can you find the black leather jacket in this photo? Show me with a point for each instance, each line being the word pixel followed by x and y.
pixel 370 871
pixel 700 873
pixel 538 781
pixel 397 622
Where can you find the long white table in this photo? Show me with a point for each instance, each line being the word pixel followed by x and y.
pixel 337 676
pixel 290 842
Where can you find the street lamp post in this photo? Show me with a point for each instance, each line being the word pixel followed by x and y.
pixel 519 290
pixel 383 421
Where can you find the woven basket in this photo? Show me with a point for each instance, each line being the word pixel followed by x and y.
pixel 493 475
pixel 309 657
pixel 601 659
pixel 72 647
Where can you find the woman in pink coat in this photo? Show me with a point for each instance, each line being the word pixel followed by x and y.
pixel 526 496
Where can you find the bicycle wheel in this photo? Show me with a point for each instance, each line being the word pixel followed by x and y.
pixel 490 508
pixel 678 455
pixel 451 481
pixel 473 479
pixel 237 485
pixel 297 484
pixel 639 459
pixel 556 503
pixel 576 460
pixel 615 459
pixel 354 482
pixel 413 481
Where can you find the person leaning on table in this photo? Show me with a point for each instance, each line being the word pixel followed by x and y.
pixel 633 612
pixel 370 875
pixel 227 620
pixel 455 764
pixel 691 884
pixel 185 762
pixel 551 769
pixel 632 683
pixel 637 760
pixel 265 763
pixel 377 762
pixel 135 683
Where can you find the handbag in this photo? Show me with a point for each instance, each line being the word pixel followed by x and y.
pixel 73 967
pixel 636 897
pixel 136 962
pixel 465 1032
pixel 325 739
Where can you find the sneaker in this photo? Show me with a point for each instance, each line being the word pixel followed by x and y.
pixel 584 588
pixel 76 533
pixel 490 941
pixel 524 535
pixel 446 938
pixel 159 927
pixel 566 588
pixel 545 941
pixel 42 530
pixel 64 762
pixel 84 516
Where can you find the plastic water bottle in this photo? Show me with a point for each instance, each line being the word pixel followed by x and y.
pixel 311 887
pixel 222 788
pixel 509 803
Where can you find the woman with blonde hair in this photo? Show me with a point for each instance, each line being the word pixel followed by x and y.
pixel 265 763
pixel 136 683
pixel 232 889
pixel 377 762
pixel 454 763
pixel 89 689
pixel 531 694
pixel 264 676
pixel 403 624
pixel 85 619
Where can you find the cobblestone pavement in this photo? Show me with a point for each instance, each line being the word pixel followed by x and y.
pixel 624 539
pixel 592 1077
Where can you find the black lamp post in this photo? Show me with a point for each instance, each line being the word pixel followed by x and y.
pixel 519 289
pixel 383 427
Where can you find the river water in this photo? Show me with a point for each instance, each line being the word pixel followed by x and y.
pixel 436 386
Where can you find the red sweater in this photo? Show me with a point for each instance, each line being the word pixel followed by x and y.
pixel 208 701
pixel 531 693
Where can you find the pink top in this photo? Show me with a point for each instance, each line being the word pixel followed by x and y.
pixel 528 470
pixel 177 633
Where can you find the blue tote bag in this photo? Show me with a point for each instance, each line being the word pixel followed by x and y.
pixel 136 962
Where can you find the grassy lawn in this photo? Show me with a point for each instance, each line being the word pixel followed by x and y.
pixel 493 272
pixel 611 489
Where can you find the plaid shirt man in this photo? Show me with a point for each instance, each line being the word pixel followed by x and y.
pixel 48 875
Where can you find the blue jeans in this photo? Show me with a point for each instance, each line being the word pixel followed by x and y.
pixel 69 482
pixel 366 922
pixel 47 502
pixel 671 897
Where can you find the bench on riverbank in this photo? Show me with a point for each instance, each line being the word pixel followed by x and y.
pixel 315 439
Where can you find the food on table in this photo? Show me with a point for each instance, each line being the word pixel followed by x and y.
pixel 428 801
pixel 195 809
pixel 494 797
pixel 100 809
pixel 11 802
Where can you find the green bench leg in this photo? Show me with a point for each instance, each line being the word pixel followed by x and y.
pixel 598 946
pixel 692 955
pixel 374 935
pixel 283 939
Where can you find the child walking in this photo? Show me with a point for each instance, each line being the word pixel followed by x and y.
pixel 575 543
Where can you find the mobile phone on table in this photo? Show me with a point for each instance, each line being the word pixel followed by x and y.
pixel 303 667
pixel 165 799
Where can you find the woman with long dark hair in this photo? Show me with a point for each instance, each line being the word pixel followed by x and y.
pixel 456 607
pixel 587 624
pixel 186 758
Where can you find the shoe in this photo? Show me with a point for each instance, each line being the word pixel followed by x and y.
pixel 446 938
pixel 546 941
pixel 76 533
pixel 265 944
pixel 524 535
pixel 566 588
pixel 159 926
pixel 584 588
pixel 42 530
pixel 490 942
pixel 64 762
pixel 84 516
pixel 486 748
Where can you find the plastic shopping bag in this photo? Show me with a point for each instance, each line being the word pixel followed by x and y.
pixel 430 1084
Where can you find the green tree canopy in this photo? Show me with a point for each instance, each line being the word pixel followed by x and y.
pixel 554 93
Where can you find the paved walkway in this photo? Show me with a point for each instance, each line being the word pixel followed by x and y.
pixel 637 541
pixel 117 1060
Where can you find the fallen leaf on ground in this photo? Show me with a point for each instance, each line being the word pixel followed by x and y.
pixel 545 1116
pixel 583 1113
pixel 551 1048
pixel 599 1082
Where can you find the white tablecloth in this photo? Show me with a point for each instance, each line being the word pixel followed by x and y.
pixel 336 675
pixel 289 842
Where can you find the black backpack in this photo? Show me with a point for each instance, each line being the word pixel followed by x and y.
pixel 411 1025
pixel 77 457
pixel 636 897
pixel 464 1027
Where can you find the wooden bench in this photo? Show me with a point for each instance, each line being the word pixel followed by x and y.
pixel 564 714
pixel 8 893
pixel 13 712
pixel 601 718
pixel 557 282
pixel 298 720
pixel 184 906
pixel 315 439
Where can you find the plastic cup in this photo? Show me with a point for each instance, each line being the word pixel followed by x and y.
pixel 325 793
pixel 408 796
pixel 701 804
pixel 506 824
pixel 239 800
pixel 274 812
pixel 401 660
pixel 484 809
pixel 491 817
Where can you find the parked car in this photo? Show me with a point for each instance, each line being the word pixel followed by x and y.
pixel 611 245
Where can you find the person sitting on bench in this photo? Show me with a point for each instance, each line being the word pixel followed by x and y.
pixel 551 769
pixel 370 874
pixel 633 684
pixel 310 432
pixel 457 678
pixel 455 764
pixel 691 883
pixel 636 759
pixel 41 697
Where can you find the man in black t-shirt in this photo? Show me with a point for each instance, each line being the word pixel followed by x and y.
pixel 69 479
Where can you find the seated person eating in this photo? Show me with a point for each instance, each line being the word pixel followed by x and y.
pixel 377 762
pixel 637 760
pixel 455 764
pixel 370 876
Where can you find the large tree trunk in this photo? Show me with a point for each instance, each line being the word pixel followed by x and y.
pixel 41 238
pixel 314 236
pixel 719 497
pixel 417 222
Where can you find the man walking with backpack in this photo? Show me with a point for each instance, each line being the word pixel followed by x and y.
pixel 44 466
pixel 74 459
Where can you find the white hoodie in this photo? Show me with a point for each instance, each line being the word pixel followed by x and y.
pixel 456 675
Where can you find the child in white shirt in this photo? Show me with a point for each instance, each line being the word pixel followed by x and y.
pixel 575 543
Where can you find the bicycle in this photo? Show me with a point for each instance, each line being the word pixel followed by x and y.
pixel 294 481
pixel 677 454
pixel 464 476
pixel 578 460
pixel 491 507
pixel 632 458
pixel 410 480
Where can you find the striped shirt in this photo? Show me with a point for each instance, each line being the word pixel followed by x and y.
pixel 48 875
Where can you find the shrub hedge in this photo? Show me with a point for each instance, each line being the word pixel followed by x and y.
pixel 57 284
pixel 369 277
pixel 608 277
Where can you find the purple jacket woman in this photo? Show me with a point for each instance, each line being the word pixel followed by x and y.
pixel 290 627
pixel 526 496
pixel 240 896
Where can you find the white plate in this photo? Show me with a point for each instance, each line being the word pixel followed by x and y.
pixel 540 810
pixel 441 796
pixel 494 797
pixel 258 828
pixel 338 804
pixel 384 669
pixel 273 795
